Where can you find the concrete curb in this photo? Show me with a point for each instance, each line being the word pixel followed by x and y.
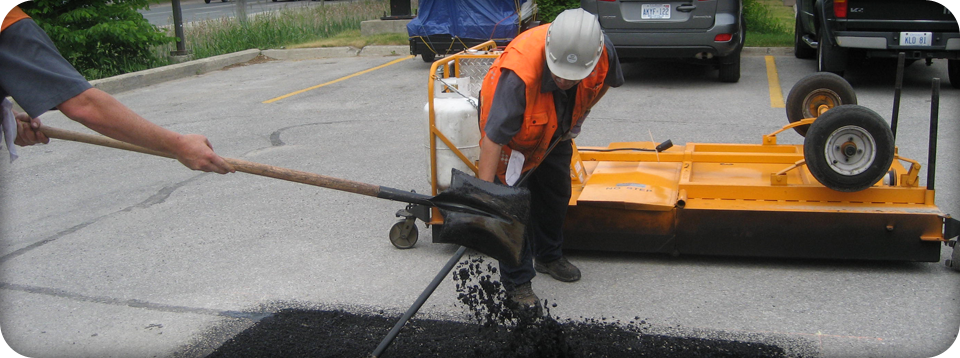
pixel 140 79
pixel 767 51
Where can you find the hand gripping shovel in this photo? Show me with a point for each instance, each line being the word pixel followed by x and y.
pixel 479 215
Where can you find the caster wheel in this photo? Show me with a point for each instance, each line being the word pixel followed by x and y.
pixel 404 233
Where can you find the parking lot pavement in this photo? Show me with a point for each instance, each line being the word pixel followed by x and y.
pixel 114 254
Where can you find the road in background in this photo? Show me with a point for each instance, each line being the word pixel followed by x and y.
pixel 110 253
pixel 197 10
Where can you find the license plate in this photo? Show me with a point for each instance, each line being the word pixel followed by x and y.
pixel 916 38
pixel 655 11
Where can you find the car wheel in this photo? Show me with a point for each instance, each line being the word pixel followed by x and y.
pixel 730 65
pixel 730 72
pixel 830 58
pixel 800 48
pixel 953 70
pixel 206 1
pixel 850 148
pixel 815 90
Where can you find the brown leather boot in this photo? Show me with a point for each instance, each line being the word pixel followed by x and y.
pixel 522 300
pixel 561 269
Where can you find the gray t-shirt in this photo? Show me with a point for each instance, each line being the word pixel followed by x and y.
pixel 32 70
pixel 510 101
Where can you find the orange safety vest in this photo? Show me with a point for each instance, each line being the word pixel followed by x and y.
pixel 526 57
pixel 13 16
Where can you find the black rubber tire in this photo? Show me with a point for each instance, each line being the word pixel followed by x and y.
pixel 428 57
pixel 730 72
pixel 953 70
pixel 730 65
pixel 206 1
pixel 816 89
pixel 800 48
pixel 831 58
pixel 860 137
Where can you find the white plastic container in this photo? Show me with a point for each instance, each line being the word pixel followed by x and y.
pixel 455 117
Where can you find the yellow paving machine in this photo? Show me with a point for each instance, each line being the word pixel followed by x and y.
pixel 846 193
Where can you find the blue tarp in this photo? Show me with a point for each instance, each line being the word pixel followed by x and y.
pixel 470 19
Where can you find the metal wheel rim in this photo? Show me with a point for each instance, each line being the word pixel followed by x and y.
pixel 400 239
pixel 850 150
pixel 817 98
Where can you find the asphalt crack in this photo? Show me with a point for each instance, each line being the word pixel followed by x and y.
pixel 161 196
pixel 133 303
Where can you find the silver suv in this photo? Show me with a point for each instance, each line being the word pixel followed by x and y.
pixel 707 31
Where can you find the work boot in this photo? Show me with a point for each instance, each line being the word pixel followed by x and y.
pixel 522 300
pixel 560 269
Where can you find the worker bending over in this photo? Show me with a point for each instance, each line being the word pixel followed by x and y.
pixel 538 92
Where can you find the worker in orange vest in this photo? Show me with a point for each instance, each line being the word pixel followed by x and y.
pixel 34 73
pixel 537 93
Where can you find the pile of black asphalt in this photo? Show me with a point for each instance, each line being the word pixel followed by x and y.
pixel 494 331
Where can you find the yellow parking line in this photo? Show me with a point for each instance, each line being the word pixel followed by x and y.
pixel 773 80
pixel 339 79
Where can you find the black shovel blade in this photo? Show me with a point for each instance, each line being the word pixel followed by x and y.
pixel 497 228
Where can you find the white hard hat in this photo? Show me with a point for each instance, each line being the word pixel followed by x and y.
pixel 574 44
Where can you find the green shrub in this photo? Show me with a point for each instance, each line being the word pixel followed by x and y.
pixel 101 38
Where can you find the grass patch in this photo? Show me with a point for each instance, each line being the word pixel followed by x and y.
pixel 287 28
pixel 354 39
pixel 769 23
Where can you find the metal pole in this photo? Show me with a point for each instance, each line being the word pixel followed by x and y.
pixel 419 303
pixel 896 96
pixel 934 118
pixel 178 29
pixel 242 12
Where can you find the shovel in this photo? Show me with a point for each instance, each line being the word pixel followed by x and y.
pixel 488 218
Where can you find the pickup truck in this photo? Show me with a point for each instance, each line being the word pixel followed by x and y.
pixel 838 31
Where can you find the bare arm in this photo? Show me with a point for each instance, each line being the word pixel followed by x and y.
pixel 489 159
pixel 101 112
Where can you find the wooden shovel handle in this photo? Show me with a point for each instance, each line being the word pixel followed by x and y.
pixel 238 164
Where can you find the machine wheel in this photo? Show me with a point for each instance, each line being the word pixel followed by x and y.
pixel 813 91
pixel 404 233
pixel 428 57
pixel 206 1
pixel 800 48
pixel 953 70
pixel 849 148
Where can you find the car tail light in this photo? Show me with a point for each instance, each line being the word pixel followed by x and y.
pixel 723 37
pixel 840 8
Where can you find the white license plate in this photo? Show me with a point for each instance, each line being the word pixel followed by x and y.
pixel 655 11
pixel 916 38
